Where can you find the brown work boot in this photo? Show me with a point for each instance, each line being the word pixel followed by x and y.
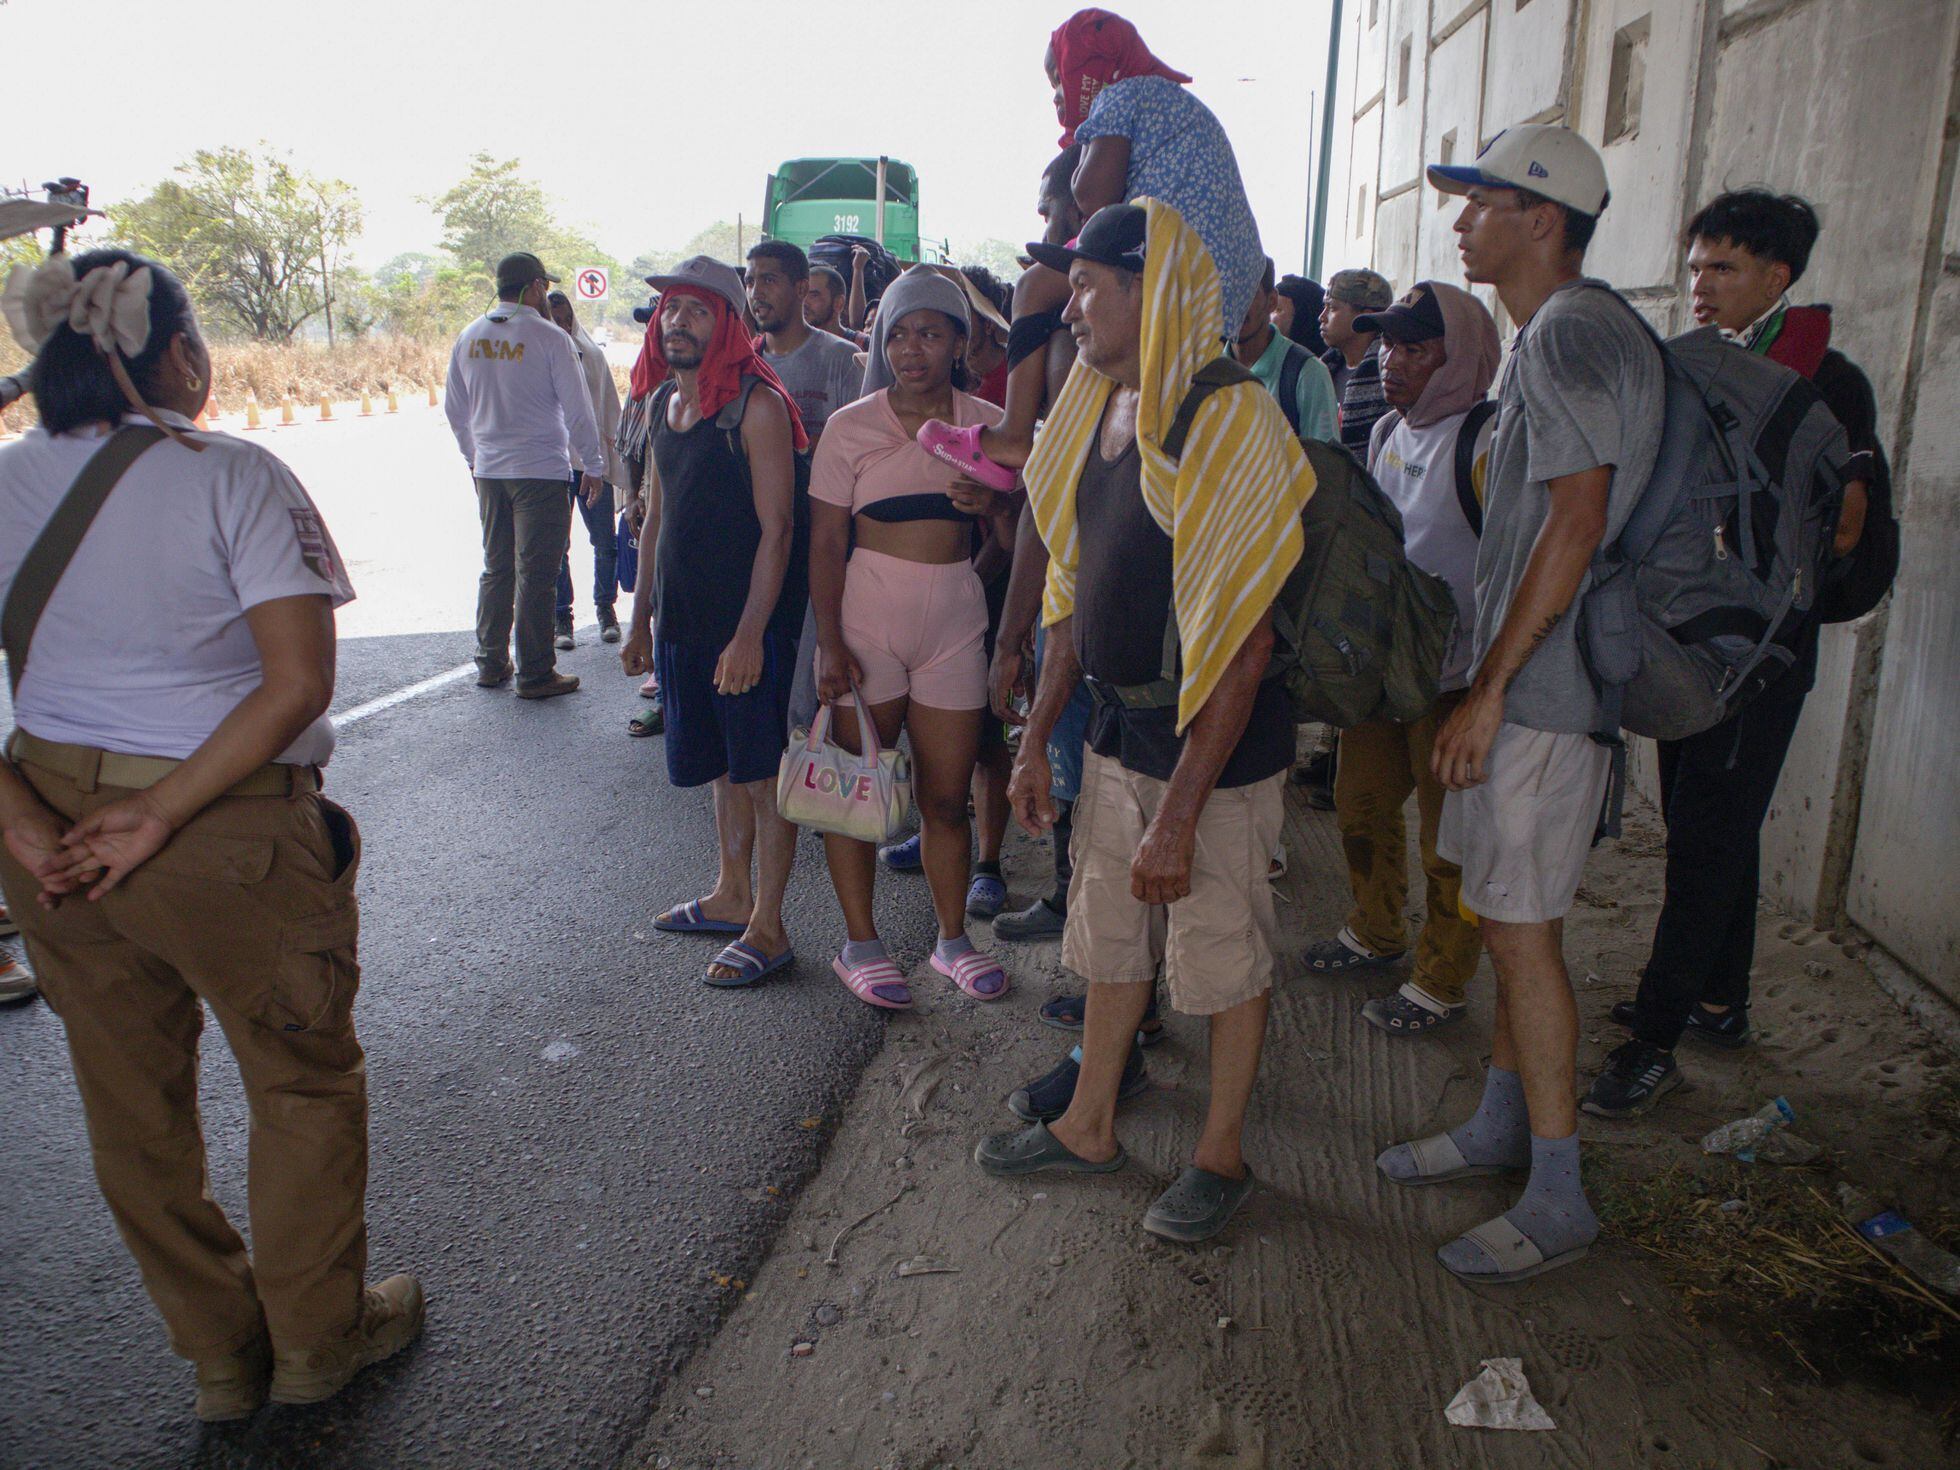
pixel 545 688
pixel 391 1318
pixel 233 1387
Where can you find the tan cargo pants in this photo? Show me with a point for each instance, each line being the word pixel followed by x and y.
pixel 249 909
pixel 1381 763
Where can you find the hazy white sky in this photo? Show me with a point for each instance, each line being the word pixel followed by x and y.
pixel 645 119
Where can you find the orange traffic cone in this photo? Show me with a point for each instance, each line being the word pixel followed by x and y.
pixel 252 419
pixel 367 404
pixel 393 406
pixel 326 409
pixel 286 407
pixel 433 400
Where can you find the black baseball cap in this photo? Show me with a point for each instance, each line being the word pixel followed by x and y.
pixel 516 271
pixel 1113 236
pixel 1417 317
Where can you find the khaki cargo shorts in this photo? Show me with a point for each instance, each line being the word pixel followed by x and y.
pixel 1215 945
pixel 1522 837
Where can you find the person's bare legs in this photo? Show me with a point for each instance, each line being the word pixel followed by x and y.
pixel 990 775
pixel 775 852
pixel 1039 289
pixel 734 892
pixel 1537 1035
pixel 945 744
pixel 854 865
pixel 1238 1037
pixel 1111 1015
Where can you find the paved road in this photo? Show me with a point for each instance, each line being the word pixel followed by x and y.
pixel 572 1137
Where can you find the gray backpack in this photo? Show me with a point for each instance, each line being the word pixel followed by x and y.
pixel 1700 602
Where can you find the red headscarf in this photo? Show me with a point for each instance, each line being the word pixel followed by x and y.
pixel 1092 49
pixel 729 355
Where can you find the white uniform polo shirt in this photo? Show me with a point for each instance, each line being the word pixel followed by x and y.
pixel 517 401
pixel 143 648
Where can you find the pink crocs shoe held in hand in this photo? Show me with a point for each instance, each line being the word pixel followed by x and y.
pixel 960 448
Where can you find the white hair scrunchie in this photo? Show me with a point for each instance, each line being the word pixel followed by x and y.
pixel 110 305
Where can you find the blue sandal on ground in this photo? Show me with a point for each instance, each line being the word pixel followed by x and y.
pixel 1046 1098
pixel 749 964
pixel 1065 1013
pixel 986 896
pixel 687 918
pixel 1197 1206
pixel 903 857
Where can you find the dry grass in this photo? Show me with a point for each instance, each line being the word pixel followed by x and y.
pixel 303 369
pixel 1785 1268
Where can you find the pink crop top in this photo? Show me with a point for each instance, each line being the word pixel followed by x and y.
pixel 866 456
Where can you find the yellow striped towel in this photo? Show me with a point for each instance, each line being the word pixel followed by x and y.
pixel 1232 505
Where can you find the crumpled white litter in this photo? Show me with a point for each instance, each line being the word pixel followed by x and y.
pixel 1498 1398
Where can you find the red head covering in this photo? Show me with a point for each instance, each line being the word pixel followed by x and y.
pixel 1092 49
pixel 729 355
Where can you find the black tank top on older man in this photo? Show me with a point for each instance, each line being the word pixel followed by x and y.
pixel 709 534
pixel 1122 606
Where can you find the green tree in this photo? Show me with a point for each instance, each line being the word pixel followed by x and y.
pixel 257 241
pixel 494 210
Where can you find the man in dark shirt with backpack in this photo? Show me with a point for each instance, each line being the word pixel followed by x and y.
pixel 1745 251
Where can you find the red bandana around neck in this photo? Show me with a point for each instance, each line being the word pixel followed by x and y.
pixel 1094 48
pixel 729 355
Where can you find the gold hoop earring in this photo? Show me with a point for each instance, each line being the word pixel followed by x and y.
pixel 194 385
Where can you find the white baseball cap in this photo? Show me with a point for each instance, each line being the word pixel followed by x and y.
pixel 1543 157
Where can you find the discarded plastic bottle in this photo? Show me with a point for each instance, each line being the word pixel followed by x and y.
pixel 1743 1135
pixel 1892 1233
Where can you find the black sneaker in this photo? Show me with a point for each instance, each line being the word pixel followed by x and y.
pixel 562 637
pixel 1047 1098
pixel 1727 1029
pixel 1638 1075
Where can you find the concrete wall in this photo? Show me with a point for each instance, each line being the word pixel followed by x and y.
pixel 1856 105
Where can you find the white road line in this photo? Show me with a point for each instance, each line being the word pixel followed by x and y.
pixel 402 696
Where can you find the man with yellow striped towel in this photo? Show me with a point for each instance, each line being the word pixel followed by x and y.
pixel 1180 808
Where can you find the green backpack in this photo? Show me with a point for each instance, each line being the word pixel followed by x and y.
pixel 1359 632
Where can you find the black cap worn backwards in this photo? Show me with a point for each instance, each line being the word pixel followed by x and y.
pixel 1113 237
pixel 1417 317
pixel 515 272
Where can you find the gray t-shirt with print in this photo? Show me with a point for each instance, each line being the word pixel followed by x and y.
pixel 1584 387
pixel 822 376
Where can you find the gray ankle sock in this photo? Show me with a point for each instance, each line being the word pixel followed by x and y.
pixel 1498 1132
pixel 1553 1211
pixel 949 950
pixel 857 951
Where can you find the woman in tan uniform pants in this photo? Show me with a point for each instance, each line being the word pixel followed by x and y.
pixel 165 842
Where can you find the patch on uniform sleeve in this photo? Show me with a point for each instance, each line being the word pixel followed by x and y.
pixel 314 547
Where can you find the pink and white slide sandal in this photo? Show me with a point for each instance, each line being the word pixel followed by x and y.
pixel 876 983
pixel 979 975
pixel 960 448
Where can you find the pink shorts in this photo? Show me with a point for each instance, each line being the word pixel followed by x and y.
pixel 917 629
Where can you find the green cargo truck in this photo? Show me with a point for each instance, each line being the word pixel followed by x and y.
pixel 810 197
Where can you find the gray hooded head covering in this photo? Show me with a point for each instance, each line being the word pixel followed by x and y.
pixel 921 286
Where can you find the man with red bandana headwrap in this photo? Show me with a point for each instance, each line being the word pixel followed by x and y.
pixel 722 439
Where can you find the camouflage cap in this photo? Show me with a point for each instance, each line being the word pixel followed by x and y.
pixel 1364 288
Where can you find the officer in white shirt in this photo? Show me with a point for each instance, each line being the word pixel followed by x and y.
pixel 518 405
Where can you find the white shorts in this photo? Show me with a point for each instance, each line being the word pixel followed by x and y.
pixel 1522 837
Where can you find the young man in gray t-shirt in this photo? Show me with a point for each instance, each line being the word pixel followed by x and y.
pixel 1578 426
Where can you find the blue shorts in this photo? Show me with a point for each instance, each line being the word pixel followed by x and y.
pixel 1065 744
pixel 710 735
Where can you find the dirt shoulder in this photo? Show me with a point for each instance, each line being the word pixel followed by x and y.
pixel 1320 1330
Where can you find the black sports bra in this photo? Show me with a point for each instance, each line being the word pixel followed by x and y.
pixel 932 506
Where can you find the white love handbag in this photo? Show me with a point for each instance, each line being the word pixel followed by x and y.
pixel 824 786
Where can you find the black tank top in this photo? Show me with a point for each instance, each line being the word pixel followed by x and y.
pixel 709 533
pixel 1122 605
